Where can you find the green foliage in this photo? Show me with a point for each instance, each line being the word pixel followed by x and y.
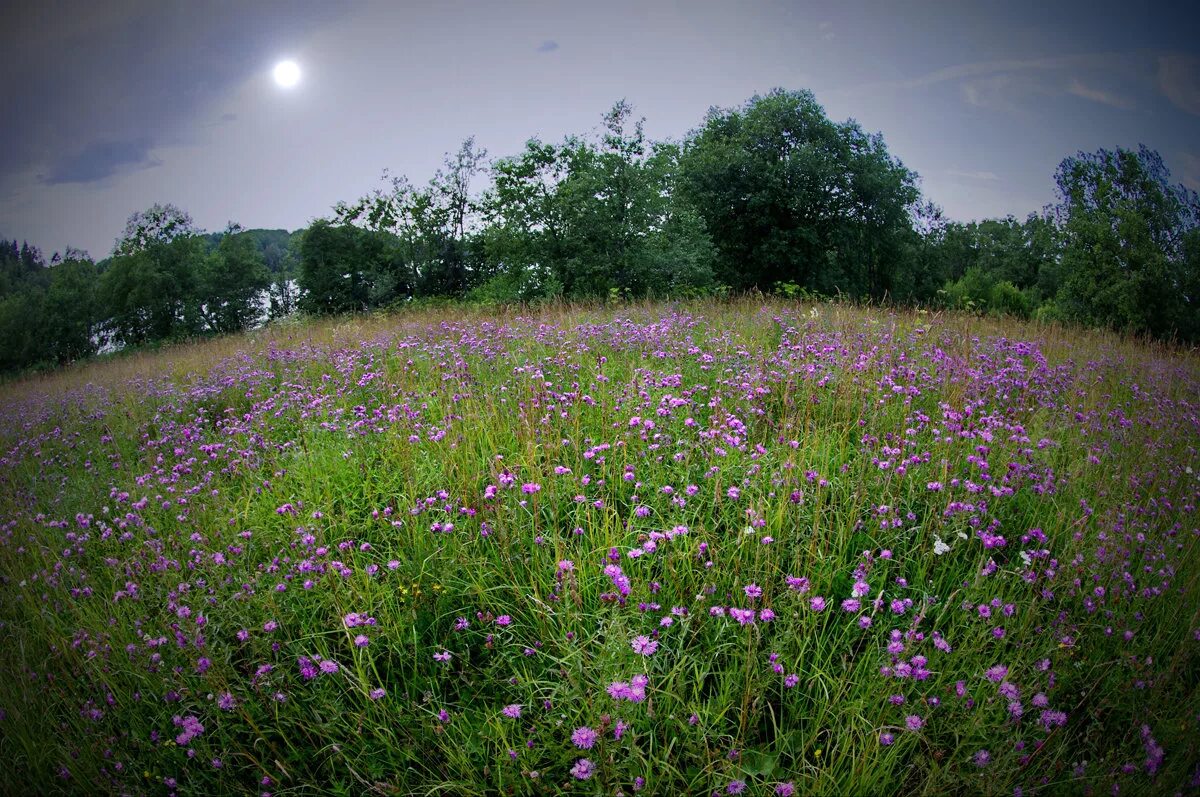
pixel 231 282
pixel 156 225
pixel 789 195
pixel 152 293
pixel 20 314
pixel 179 543
pixel 599 215
pixel 1004 298
pixel 346 269
pixel 1129 254
pixel 71 315
pixel 769 196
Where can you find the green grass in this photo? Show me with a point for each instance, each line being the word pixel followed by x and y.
pixel 214 474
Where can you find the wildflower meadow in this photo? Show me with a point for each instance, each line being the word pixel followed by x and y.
pixel 724 547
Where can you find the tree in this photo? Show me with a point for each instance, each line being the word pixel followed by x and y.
pixel 157 224
pixel 433 226
pixel 345 269
pixel 21 314
pixel 71 312
pixel 232 282
pixel 1127 253
pixel 151 294
pixel 790 196
pixel 592 217
pixel 150 289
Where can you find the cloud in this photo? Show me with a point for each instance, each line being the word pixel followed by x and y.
pixel 547 46
pixel 1120 80
pixel 1179 81
pixel 826 29
pixel 1099 95
pixel 102 159
pixel 973 175
pixel 127 77
pixel 981 69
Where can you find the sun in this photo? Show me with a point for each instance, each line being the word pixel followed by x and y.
pixel 287 74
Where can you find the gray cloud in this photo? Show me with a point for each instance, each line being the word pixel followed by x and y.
pixel 101 159
pixel 99 87
pixel 1102 96
pixel 1179 80
pixel 547 46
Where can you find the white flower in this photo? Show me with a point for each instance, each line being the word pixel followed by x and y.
pixel 939 547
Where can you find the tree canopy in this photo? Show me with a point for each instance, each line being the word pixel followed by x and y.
pixel 770 195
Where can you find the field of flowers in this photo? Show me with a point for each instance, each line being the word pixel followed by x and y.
pixel 745 547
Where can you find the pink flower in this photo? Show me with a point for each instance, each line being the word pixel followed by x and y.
pixel 997 673
pixel 644 645
pixel 584 737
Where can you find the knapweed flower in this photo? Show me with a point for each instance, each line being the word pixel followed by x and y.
pixel 752 591
pixel 190 728
pixel 513 711
pixel 785 789
pixel 913 722
pixel 743 616
pixel 583 769
pixel 997 673
pixel 633 691
pixel 308 668
pixel 584 738
pixel 982 758
pixel 735 787
pixel 644 645
pixel 443 656
pixel 328 666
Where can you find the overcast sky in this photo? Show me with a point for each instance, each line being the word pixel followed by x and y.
pixel 114 106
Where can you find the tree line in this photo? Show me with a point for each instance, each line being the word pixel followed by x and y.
pixel 771 195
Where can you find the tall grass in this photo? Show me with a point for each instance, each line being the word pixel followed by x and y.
pixel 745 545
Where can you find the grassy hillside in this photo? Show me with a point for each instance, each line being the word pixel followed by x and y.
pixel 752 547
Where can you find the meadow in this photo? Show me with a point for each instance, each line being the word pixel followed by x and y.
pixel 741 547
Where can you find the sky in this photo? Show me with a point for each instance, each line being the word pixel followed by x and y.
pixel 115 106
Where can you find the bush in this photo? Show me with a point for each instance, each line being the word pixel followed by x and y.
pixel 1004 298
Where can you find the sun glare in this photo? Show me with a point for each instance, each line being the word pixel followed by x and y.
pixel 287 74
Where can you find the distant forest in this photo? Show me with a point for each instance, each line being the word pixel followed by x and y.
pixel 770 196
